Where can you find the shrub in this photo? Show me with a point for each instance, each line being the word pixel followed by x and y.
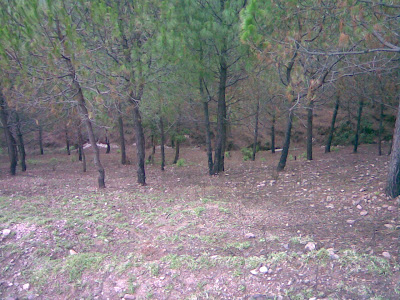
pixel 181 162
pixel 247 153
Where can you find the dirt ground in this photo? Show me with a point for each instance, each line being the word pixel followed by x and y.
pixel 322 229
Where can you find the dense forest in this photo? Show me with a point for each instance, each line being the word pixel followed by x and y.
pixel 173 69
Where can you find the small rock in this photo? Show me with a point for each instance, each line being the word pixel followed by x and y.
pixel 364 213
pixel 359 206
pixel 391 208
pixel 129 297
pixel 310 246
pixel 363 189
pixel 332 254
pixel 250 235
pixel 330 206
pixel 254 272
pixel 26 286
pixel 390 226
pixel 72 252
pixel 263 269
pixel 6 232
pixel 386 255
pixel 350 221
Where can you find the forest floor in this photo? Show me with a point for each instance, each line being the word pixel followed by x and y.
pixel 322 229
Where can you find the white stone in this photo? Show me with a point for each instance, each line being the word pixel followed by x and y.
pixel 6 232
pixel 364 213
pixel 72 252
pixel 386 255
pixel 390 226
pixel 263 269
pixel 26 286
pixel 310 246
pixel 254 272
pixel 359 206
pixel 350 221
pixel 250 235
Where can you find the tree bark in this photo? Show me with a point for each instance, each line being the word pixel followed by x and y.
pixel 67 140
pixel 357 134
pixel 122 139
pixel 83 110
pixel 21 145
pixel 153 147
pixel 177 149
pixel 177 140
pixel 253 157
pixel 80 141
pixel 273 134
pixel 140 145
pixel 393 179
pixel 207 128
pixel 162 143
pixel 286 145
pixel 81 151
pixel 380 130
pixel 221 117
pixel 310 112
pixel 40 139
pixel 332 129
pixel 108 143
pixel 9 140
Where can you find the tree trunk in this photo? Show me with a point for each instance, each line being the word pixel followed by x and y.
pixel 107 143
pixel 153 148
pixel 286 145
pixel 162 143
pixel 81 151
pixel 273 134
pixel 310 111
pixel 21 145
pixel 359 114
pixel 177 149
pixel 83 111
pixel 380 130
pixel 67 139
pixel 255 140
pixel 122 139
pixel 140 145
pixel 177 140
pixel 221 117
pixel 393 179
pixel 9 140
pixel 207 128
pixel 40 139
pixel 80 146
pixel 332 129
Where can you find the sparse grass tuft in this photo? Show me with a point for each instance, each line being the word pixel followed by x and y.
pixel 76 264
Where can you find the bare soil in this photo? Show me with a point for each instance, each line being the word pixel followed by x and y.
pixel 321 229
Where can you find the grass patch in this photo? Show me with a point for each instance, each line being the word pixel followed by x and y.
pixel 76 264
pixel 181 162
